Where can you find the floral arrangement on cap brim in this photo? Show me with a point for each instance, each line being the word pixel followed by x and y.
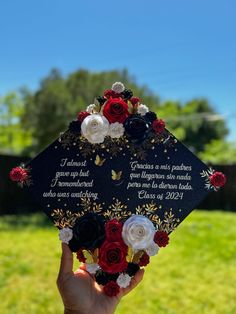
pixel 21 175
pixel 214 180
pixel 115 114
pixel 113 251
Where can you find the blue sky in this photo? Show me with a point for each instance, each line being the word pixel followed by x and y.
pixel 180 49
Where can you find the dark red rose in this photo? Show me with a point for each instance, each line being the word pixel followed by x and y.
pixel 113 230
pixel 75 126
pixel 150 116
pixel 134 100
pixel 112 256
pixel 88 232
pixel 115 110
pixel 144 260
pixel 111 289
pixel 80 256
pixel 109 93
pixel 158 125
pixel 137 128
pixel 132 269
pixel 82 115
pixel 18 174
pixel 127 94
pixel 217 179
pixel 161 238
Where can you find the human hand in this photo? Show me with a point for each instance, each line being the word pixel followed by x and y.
pixel 81 294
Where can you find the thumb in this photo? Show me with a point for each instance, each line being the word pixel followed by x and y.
pixel 66 260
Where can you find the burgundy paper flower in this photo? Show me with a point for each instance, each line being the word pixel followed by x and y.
pixel 82 115
pixel 137 128
pixel 161 238
pixel 109 93
pixel 115 110
pixel 80 256
pixel 111 289
pixel 158 125
pixel 134 100
pixel 112 256
pixel 217 179
pixel 150 116
pixel 113 230
pixel 144 260
pixel 19 174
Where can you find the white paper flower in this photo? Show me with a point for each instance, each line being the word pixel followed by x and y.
pixel 116 130
pixel 92 268
pixel 123 280
pixel 138 232
pixel 152 249
pixel 94 128
pixel 65 235
pixel 90 108
pixel 118 87
pixel 142 109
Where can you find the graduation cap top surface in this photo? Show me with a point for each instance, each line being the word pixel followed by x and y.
pixel 117 159
pixel 117 163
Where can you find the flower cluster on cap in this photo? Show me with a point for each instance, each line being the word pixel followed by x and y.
pixel 21 175
pixel 114 250
pixel 115 114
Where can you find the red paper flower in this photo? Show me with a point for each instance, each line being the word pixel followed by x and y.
pixel 82 115
pixel 18 174
pixel 115 110
pixel 109 93
pixel 161 238
pixel 144 260
pixel 134 100
pixel 80 256
pixel 158 125
pixel 217 179
pixel 113 230
pixel 111 289
pixel 112 256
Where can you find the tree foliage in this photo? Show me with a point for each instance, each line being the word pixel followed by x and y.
pixel 58 100
pixel 195 123
pixel 12 136
pixel 35 119
pixel 219 152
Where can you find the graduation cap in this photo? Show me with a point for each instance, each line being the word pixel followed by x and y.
pixel 116 183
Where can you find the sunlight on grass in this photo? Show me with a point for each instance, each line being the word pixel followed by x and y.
pixel 196 273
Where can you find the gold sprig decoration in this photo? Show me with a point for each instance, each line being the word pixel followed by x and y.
pixel 167 224
pixel 149 210
pixel 118 211
pixel 63 219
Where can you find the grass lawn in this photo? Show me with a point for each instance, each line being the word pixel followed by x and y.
pixel 195 274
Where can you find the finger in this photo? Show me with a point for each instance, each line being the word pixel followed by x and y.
pixel 66 260
pixel 134 282
pixel 82 266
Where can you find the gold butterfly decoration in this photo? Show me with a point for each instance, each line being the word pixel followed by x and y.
pixel 129 255
pixel 91 257
pixel 99 161
pixel 116 175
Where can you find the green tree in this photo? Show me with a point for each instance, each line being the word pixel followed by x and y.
pixel 195 123
pixel 58 100
pixel 13 137
pixel 219 152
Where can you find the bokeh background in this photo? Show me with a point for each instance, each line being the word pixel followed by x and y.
pixel 179 57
